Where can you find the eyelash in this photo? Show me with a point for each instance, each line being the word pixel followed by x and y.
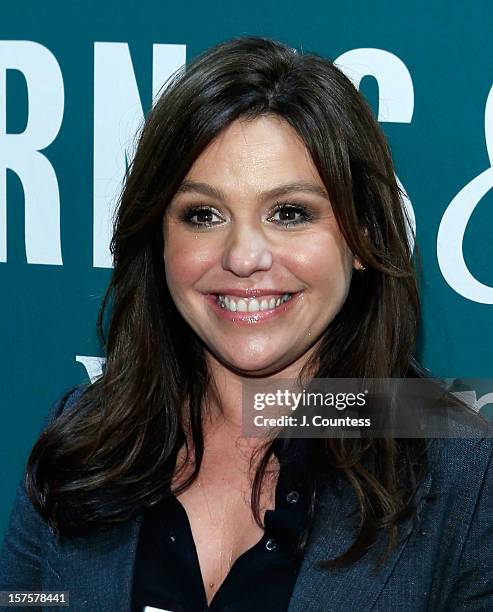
pixel 308 216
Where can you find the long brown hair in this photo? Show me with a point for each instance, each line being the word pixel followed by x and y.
pixel 107 459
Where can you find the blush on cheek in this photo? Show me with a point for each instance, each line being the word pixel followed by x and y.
pixel 184 266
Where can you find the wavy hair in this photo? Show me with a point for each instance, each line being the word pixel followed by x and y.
pixel 108 458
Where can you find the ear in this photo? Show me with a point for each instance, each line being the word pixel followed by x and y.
pixel 357 265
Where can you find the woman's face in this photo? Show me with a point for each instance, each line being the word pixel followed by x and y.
pixel 252 215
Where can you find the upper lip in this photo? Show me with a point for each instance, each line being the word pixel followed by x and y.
pixel 250 293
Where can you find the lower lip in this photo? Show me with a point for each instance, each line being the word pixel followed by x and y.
pixel 252 318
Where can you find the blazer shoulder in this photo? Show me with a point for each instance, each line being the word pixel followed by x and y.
pixel 23 549
pixel 65 402
pixel 460 465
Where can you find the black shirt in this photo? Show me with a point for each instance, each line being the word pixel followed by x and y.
pixel 167 572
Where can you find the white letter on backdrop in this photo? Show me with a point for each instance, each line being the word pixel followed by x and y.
pixel 21 152
pixel 395 96
pixel 118 115
pixel 454 223
pixel 93 365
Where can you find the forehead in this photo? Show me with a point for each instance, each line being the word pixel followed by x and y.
pixel 254 154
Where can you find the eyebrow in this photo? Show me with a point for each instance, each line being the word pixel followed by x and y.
pixel 276 192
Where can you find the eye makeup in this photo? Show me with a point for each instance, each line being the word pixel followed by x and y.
pixel 284 208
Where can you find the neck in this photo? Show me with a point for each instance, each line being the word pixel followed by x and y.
pixel 225 397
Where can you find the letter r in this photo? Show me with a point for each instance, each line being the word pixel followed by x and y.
pixel 21 152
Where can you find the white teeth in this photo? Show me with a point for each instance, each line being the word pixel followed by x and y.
pixel 251 305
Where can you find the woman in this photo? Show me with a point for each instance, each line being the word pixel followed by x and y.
pixel 260 236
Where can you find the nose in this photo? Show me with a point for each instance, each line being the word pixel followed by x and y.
pixel 246 251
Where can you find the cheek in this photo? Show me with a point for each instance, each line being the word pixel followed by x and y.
pixel 185 263
pixel 325 261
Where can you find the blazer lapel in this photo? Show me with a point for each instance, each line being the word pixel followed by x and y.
pixel 127 578
pixel 358 586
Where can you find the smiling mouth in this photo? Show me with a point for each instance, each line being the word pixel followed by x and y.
pixel 234 304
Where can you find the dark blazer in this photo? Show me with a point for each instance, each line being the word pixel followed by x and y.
pixel 444 560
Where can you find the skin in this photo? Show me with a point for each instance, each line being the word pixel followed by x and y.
pixel 247 248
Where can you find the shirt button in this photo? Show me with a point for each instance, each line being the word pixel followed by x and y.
pixel 271 544
pixel 292 497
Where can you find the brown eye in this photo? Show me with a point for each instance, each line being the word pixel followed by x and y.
pixel 292 214
pixel 199 216
pixel 287 214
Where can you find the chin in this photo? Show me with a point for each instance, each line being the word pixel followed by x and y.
pixel 255 365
